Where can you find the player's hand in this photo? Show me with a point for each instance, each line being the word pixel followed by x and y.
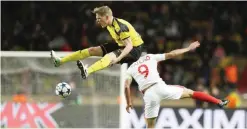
pixel 194 45
pixel 114 61
pixel 128 107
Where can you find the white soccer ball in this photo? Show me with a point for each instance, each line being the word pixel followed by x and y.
pixel 63 89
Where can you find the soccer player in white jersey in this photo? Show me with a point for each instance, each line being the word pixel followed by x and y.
pixel 154 89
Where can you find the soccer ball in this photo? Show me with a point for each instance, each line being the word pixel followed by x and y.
pixel 63 89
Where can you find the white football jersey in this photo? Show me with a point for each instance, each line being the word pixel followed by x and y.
pixel 144 70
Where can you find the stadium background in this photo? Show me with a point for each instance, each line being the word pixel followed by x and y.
pixel 218 67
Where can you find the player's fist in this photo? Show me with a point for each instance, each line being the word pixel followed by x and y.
pixel 194 45
pixel 128 107
pixel 114 61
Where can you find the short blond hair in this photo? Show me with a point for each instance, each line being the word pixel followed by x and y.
pixel 103 11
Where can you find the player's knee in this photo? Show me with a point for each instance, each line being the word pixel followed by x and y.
pixel 95 51
pixel 191 92
pixel 111 55
pixel 117 52
pixel 188 93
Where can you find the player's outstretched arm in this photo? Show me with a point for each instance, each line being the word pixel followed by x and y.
pixel 177 52
pixel 127 93
pixel 128 47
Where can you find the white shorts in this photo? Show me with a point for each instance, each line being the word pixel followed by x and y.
pixel 158 92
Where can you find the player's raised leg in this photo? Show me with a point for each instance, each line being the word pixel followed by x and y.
pixel 78 55
pixel 188 93
pixel 99 65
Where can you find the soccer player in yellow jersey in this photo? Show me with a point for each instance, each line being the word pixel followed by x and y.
pixel 127 49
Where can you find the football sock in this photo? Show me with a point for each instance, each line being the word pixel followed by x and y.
pixel 205 97
pixel 81 54
pixel 99 65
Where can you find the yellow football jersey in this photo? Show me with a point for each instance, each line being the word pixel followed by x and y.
pixel 121 29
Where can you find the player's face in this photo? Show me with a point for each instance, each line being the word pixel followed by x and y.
pixel 101 20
